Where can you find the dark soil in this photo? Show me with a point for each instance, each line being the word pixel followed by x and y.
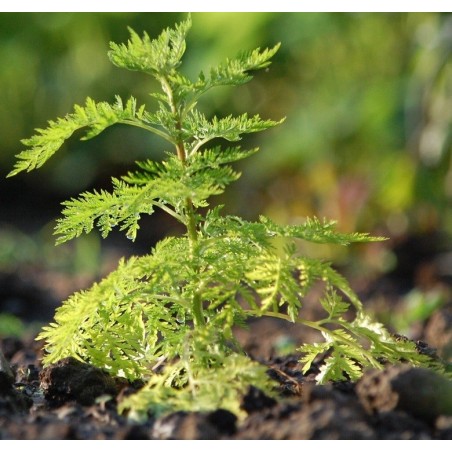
pixel 72 400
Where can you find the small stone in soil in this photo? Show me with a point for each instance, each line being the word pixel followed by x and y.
pixel 420 392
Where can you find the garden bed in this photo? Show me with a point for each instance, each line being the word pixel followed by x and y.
pixel 75 401
pixel 72 400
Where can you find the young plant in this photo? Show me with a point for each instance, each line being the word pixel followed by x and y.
pixel 168 317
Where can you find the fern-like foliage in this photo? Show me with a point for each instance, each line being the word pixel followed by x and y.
pixel 158 57
pixel 354 346
pixel 168 317
pixel 94 116
pixel 192 382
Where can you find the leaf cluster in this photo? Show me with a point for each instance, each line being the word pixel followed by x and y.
pixel 169 316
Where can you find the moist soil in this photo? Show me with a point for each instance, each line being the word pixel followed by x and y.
pixel 73 400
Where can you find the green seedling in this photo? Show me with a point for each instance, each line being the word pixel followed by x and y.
pixel 168 317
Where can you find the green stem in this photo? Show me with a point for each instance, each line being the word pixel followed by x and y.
pixel 317 326
pixel 190 223
pixel 198 313
pixel 199 144
pixel 169 211
pixel 146 127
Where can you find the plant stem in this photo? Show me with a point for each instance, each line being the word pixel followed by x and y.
pixel 318 326
pixel 181 152
pixel 189 209
pixel 158 132
pixel 190 216
pixel 198 313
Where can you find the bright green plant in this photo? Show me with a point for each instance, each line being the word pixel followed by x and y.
pixel 168 317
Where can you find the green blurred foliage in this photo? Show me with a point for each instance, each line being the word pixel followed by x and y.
pixel 416 308
pixel 368 101
pixel 19 250
pixel 11 325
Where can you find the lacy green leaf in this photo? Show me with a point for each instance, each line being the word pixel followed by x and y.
pixel 158 56
pixel 94 116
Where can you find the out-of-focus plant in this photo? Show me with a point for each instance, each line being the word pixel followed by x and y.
pixel 416 308
pixel 33 251
pixel 11 325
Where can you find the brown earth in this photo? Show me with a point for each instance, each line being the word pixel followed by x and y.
pixel 72 400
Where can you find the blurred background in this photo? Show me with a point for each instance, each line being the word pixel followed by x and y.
pixel 367 142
